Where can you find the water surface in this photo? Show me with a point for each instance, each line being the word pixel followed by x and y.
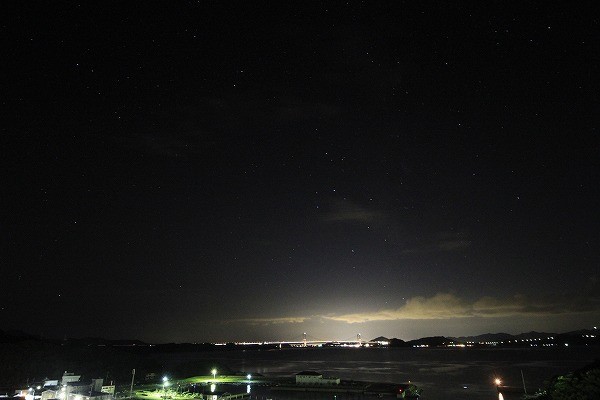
pixel 441 373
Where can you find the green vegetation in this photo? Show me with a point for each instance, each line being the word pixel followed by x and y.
pixel 160 394
pixel 218 379
pixel 173 391
pixel 583 384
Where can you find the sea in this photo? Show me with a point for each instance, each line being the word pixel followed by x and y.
pixel 441 373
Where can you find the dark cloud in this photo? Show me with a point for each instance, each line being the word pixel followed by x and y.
pixel 446 242
pixel 450 306
pixel 348 211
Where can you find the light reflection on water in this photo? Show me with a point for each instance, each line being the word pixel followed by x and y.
pixel 441 373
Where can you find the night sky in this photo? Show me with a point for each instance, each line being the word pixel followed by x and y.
pixel 213 171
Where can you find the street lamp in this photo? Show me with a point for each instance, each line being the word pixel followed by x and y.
pixel 248 376
pixel 165 384
pixel 214 373
pixel 497 381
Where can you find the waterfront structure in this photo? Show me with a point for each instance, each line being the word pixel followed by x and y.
pixel 315 378
pixel 73 389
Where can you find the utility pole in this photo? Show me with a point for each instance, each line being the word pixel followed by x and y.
pixel 132 377
pixel 523 379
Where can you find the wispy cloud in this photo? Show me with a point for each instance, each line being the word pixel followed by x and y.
pixel 447 306
pixel 451 245
pixel 448 241
pixel 269 321
pixel 348 211
pixel 450 306
pixel 167 145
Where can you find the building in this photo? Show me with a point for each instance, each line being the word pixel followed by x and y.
pixel 315 378
pixel 78 390
pixel 69 377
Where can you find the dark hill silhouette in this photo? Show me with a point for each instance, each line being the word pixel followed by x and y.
pixel 380 339
pixel 486 337
pixel 430 341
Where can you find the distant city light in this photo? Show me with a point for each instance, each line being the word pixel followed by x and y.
pixel 497 381
pixel 248 376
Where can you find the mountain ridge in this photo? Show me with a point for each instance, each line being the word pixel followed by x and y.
pixel 15 336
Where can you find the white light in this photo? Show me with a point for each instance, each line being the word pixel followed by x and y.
pixel 165 379
pixel 248 376
pixel 213 387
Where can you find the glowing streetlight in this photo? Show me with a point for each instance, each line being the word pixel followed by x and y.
pixel 497 381
pixel 248 376
pixel 214 373
pixel 165 384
